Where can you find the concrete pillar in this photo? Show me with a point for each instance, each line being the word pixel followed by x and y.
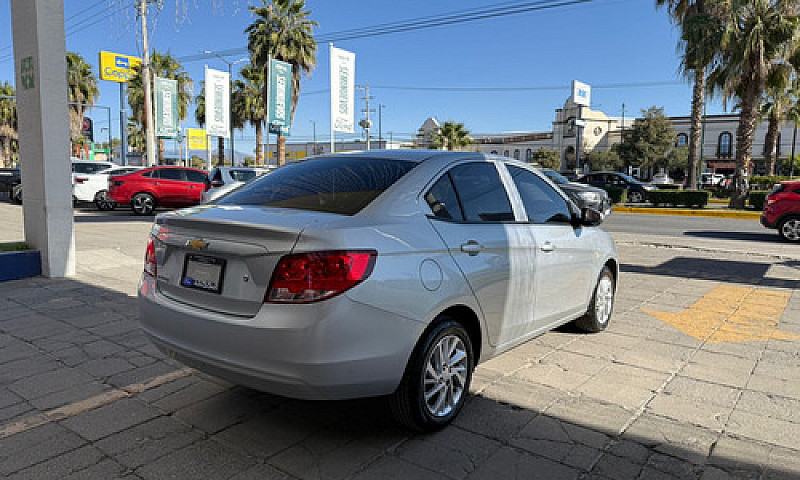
pixel 43 122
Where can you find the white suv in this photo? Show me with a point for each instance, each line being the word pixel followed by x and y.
pixel 93 187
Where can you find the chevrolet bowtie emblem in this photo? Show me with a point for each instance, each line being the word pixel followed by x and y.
pixel 197 244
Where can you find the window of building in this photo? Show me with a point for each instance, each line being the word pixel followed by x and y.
pixel 528 155
pixel 724 149
pixel 516 154
pixel 505 153
pixel 494 152
pixel 682 140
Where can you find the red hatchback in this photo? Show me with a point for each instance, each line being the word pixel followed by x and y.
pixel 147 189
pixel 782 210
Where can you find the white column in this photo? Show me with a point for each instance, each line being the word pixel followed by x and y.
pixel 43 122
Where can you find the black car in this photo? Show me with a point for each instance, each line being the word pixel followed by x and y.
pixel 637 191
pixel 582 195
pixel 9 177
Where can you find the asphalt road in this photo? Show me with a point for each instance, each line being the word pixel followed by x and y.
pixel 689 227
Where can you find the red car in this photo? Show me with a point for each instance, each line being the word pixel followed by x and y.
pixel 782 210
pixel 158 187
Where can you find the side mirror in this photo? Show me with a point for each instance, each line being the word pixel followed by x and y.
pixel 590 217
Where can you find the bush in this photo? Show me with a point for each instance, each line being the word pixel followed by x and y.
pixel 756 199
pixel 721 193
pixel 617 195
pixel 689 198
pixel 766 181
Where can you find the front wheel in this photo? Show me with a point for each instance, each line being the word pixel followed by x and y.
pixel 437 378
pixel 602 304
pixel 636 197
pixel 789 229
pixel 143 204
pixel 103 202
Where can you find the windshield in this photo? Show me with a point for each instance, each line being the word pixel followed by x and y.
pixel 556 177
pixel 329 184
pixel 629 179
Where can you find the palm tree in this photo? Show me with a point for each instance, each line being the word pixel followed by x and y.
pixel 8 121
pixel 698 46
pixel 757 36
pixel 452 136
pixel 248 102
pixel 82 88
pixel 136 140
pixel 164 66
pixel 777 101
pixel 283 31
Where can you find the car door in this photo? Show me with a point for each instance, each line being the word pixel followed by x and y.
pixel 196 182
pixel 474 216
pixel 170 186
pixel 564 258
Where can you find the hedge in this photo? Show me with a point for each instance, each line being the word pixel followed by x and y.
pixel 689 198
pixel 617 195
pixel 767 180
pixel 756 199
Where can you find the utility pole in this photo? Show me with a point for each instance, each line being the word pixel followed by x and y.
pixel 380 125
pixel 149 126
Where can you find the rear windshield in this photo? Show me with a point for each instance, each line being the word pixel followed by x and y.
pixel 243 175
pixel 334 185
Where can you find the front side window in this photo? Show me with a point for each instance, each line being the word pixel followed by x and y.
pixel 443 200
pixel 195 176
pixel 542 203
pixel 482 194
pixel 327 184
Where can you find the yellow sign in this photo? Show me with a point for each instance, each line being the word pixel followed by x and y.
pixel 118 68
pixel 290 155
pixel 732 314
pixel 197 138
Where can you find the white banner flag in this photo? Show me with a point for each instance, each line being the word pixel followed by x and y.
pixel 343 80
pixel 218 103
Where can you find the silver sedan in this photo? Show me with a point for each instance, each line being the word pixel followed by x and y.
pixel 375 273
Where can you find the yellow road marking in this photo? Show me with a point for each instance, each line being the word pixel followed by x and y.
pixel 90 403
pixel 732 314
pixel 685 212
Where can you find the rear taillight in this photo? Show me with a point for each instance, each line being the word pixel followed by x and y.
pixel 311 277
pixel 771 200
pixel 217 183
pixel 150 267
pixel 80 179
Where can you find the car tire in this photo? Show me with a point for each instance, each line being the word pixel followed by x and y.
pixel 602 305
pixel 16 195
pixel 431 393
pixel 143 204
pixel 636 197
pixel 102 202
pixel 789 229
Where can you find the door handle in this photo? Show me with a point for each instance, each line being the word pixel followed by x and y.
pixel 472 247
pixel 547 247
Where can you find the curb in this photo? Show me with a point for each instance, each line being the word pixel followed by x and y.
pixel 685 212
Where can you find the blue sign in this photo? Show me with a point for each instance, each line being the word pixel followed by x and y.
pixel 121 62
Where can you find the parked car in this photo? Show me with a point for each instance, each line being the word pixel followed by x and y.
pixel 782 210
pixel 93 187
pixel 222 180
pixel 582 195
pixel 662 179
pixel 155 187
pixel 637 190
pixel 710 180
pixel 9 177
pixel 375 273
pixel 570 175
pixel 79 167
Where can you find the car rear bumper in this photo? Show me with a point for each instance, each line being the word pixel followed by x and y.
pixel 334 349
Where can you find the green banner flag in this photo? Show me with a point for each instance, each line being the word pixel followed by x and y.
pixel 166 95
pixel 280 97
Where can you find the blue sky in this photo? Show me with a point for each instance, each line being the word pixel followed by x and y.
pixel 601 42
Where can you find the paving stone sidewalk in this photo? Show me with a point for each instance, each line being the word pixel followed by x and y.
pixel 641 400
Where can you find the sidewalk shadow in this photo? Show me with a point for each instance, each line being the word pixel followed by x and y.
pixel 766 236
pixel 753 273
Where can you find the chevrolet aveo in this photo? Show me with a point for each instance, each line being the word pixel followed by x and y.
pixel 375 273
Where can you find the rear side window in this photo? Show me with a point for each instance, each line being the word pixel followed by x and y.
pixel 195 176
pixel 149 173
pixel 482 194
pixel 542 203
pixel 334 185
pixel 443 200
pixel 170 174
pixel 243 175
pixel 87 167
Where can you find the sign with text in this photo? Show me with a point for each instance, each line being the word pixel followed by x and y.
pixel 218 103
pixel 118 68
pixel 343 78
pixel 196 139
pixel 581 93
pixel 166 95
pixel 280 97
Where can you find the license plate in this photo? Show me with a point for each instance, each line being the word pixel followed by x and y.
pixel 203 272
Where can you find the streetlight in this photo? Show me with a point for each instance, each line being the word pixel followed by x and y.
pixel 230 94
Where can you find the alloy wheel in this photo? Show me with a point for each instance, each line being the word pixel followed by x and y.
pixel 604 299
pixel 143 204
pixel 790 229
pixel 445 377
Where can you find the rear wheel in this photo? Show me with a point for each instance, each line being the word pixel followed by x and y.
pixel 436 382
pixel 602 304
pixel 103 202
pixel 789 229
pixel 143 204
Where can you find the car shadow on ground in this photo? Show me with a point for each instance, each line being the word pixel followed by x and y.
pixel 731 271
pixel 768 236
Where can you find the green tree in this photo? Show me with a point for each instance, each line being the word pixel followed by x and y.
pixel 136 140
pixel 778 99
pixel 546 158
pixel 603 160
pixel 8 122
pixel 452 136
pixel 648 142
pixel 758 36
pixel 248 103
pixel 283 31
pixel 82 91
pixel 162 65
